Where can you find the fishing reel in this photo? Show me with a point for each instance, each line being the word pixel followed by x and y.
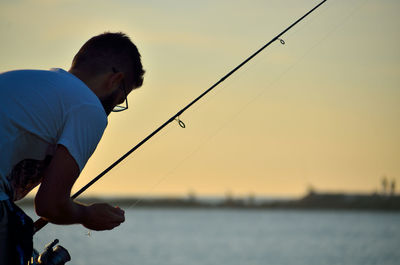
pixel 53 254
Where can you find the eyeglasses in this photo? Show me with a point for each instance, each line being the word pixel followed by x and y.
pixel 120 108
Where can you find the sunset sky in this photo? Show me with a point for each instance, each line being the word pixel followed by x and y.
pixel 321 110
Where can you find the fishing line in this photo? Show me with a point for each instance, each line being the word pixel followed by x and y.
pixel 229 83
pixel 245 106
pixel 303 26
pixel 40 223
pixel 335 27
pixel 256 61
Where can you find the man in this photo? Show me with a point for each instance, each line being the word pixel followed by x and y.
pixel 50 124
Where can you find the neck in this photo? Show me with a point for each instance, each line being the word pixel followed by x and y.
pixel 91 82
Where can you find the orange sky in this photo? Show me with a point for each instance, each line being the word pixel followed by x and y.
pixel 322 110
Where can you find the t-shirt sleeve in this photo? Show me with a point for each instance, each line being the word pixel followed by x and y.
pixel 83 128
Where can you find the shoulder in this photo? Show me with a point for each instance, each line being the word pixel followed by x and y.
pixel 75 94
pixel 72 88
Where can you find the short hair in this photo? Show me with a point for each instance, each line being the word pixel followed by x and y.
pixel 102 52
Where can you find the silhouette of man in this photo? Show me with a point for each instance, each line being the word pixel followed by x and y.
pixel 50 124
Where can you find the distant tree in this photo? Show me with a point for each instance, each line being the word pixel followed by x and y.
pixel 384 185
pixel 228 197
pixel 393 187
pixel 310 190
pixel 192 196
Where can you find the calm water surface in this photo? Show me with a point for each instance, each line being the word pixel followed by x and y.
pixel 235 237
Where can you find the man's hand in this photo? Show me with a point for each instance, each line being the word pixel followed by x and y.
pixel 102 216
pixel 53 202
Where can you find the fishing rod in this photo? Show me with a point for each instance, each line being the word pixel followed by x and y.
pixel 40 223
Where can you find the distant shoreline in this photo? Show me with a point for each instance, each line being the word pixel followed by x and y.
pixel 313 200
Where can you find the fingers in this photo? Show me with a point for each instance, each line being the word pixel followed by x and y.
pixel 117 210
pixel 118 214
pixel 103 216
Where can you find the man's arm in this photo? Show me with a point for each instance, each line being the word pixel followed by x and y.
pixel 53 200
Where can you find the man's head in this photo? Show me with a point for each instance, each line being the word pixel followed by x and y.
pixel 109 64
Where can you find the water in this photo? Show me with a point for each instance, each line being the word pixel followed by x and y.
pixel 235 237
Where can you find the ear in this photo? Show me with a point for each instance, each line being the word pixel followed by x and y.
pixel 114 80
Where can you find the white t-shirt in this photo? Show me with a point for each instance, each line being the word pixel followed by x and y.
pixel 38 110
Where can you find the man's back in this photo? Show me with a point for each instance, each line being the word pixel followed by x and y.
pixel 38 110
